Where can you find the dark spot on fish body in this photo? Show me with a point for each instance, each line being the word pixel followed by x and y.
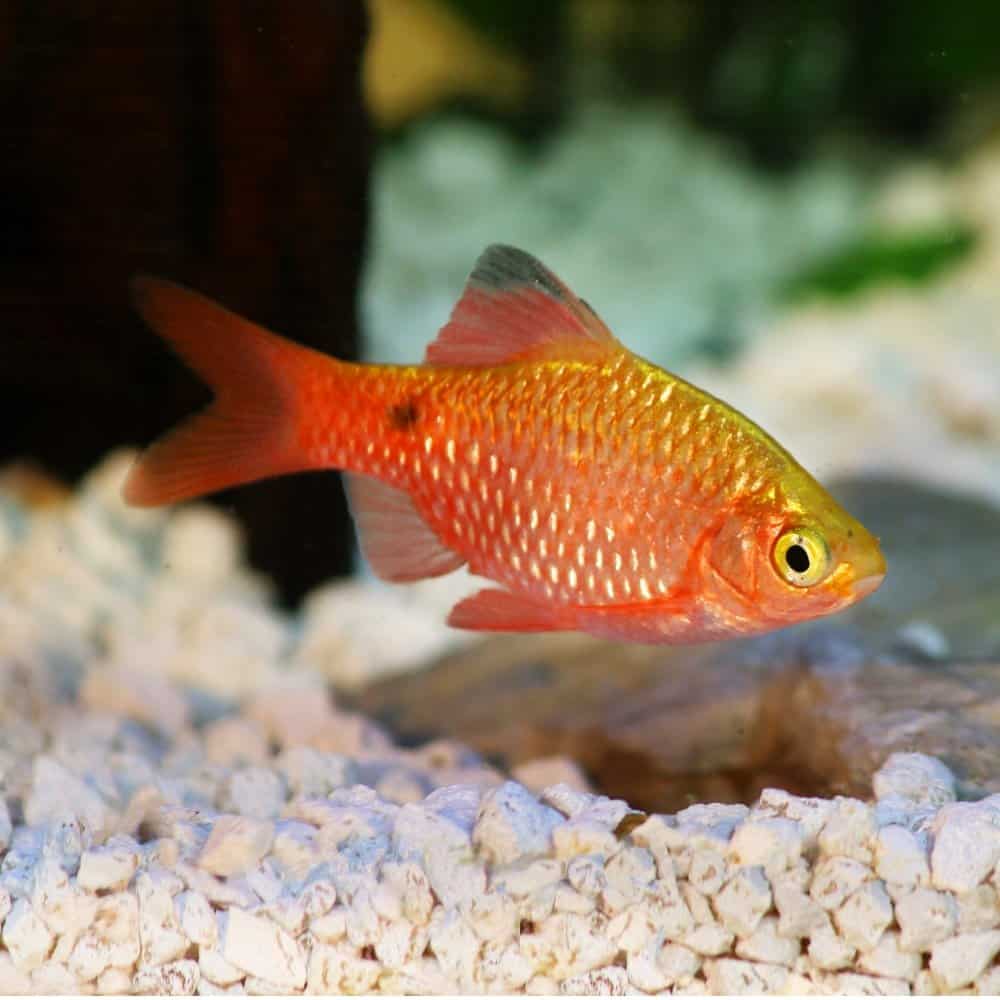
pixel 403 415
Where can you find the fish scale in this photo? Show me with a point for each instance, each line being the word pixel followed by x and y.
pixel 598 491
pixel 602 526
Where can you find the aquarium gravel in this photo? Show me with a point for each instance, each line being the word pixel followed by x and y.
pixel 187 809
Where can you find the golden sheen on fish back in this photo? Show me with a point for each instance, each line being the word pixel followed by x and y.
pixel 599 492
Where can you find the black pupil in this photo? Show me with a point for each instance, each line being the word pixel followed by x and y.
pixel 797 558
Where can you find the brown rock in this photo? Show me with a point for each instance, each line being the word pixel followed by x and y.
pixel 815 709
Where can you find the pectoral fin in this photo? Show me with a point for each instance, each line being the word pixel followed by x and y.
pixel 493 610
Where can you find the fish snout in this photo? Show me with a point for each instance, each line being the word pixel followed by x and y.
pixel 869 575
pixel 866 585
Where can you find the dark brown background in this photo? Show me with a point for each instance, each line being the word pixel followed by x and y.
pixel 222 143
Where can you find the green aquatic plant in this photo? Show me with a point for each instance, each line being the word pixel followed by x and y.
pixel 911 257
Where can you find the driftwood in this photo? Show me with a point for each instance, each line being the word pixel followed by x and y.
pixel 814 710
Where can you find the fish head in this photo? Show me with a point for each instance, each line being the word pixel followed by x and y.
pixel 799 555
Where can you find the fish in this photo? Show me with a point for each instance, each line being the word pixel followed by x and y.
pixel 595 491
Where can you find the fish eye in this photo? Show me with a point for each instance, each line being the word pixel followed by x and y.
pixel 801 557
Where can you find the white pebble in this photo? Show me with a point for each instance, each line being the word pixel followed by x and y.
pixel 988 984
pixel 766 944
pixel 811 814
pixel 133 694
pixel 827 950
pixel 201 544
pixel 698 904
pixel 707 871
pixel 443 847
pixel 716 820
pixel 978 910
pixel 178 978
pixel 236 741
pixel 14 981
pixel 925 917
pixel 330 927
pixel 835 879
pixel 773 843
pixel 678 963
pixel 900 857
pixel 112 939
pixel 261 948
pixel 916 777
pixel 732 977
pixel 959 960
pixel 114 982
pixel 493 916
pixel 611 980
pixel 849 831
pixel 57 795
pixel 888 959
pixel 236 844
pixel 53 978
pixel 309 771
pixel 966 845
pixel 159 928
pixel 743 901
pixel 197 919
pixel 412 887
pixel 644 972
pixel 456 947
pixel 255 792
pixel 512 823
pixel 864 915
pixel 216 969
pixel 583 836
pixel 569 900
pixel 798 914
pixel 708 939
pixel 110 866
pixel 627 875
pixel 26 937
pixel 851 984
pixel 65 908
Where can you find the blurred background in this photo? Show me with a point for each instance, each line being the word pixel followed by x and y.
pixel 795 204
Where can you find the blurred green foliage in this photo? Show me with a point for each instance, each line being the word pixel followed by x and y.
pixel 781 75
pixel 529 26
pixel 878 257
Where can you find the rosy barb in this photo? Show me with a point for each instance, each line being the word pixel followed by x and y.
pixel 600 492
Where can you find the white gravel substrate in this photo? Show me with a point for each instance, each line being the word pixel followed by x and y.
pixel 186 810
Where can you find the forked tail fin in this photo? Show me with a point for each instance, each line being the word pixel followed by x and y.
pixel 249 430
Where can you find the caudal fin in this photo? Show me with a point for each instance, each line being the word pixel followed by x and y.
pixel 249 430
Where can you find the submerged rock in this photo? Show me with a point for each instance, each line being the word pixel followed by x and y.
pixel 817 708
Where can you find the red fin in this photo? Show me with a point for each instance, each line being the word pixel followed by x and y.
pixel 247 432
pixel 501 611
pixel 395 539
pixel 513 308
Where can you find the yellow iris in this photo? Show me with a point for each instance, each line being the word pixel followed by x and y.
pixel 801 557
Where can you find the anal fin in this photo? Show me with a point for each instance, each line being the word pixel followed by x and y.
pixel 493 610
pixel 395 539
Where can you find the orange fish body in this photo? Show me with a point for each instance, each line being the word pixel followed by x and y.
pixel 600 492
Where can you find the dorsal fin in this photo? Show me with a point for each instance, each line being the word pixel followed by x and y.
pixel 514 308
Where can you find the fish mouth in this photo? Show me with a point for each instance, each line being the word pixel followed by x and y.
pixel 866 585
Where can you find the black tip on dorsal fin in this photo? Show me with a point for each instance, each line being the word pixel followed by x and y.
pixel 514 308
